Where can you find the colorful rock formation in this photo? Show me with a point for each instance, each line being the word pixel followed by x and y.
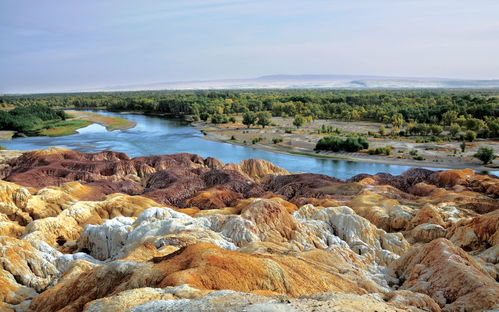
pixel 104 232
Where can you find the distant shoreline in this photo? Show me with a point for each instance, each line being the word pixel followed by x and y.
pixel 217 136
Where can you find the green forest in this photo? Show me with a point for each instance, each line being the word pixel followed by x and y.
pixel 30 119
pixel 414 112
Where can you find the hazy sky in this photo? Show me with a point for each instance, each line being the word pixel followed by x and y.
pixel 58 45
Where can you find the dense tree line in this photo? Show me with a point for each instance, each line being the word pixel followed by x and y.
pixel 449 108
pixel 336 144
pixel 27 119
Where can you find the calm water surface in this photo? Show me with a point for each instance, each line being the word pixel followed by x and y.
pixel 156 135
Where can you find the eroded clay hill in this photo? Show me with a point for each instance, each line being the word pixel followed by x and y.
pixel 104 232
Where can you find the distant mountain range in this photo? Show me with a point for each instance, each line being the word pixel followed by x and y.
pixel 315 81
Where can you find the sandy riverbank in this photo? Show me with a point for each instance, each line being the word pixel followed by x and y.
pixel 302 142
pixel 6 135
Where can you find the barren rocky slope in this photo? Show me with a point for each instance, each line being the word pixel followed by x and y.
pixel 104 232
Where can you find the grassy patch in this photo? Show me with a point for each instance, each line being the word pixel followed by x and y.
pixel 63 127
pixel 111 123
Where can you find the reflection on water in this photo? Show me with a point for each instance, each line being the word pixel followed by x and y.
pixel 93 128
pixel 155 135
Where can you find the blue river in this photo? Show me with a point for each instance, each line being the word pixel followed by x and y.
pixel 157 135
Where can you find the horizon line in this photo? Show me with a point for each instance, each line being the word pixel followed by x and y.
pixel 340 77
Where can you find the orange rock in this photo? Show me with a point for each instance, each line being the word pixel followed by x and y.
pixel 244 203
pixel 453 177
pixel 386 213
pixel 258 169
pixel 188 211
pixel 404 299
pixel 213 212
pixel 325 202
pixel 427 214
pixel 476 234
pixel 9 228
pixel 207 267
pixel 422 189
pixel 273 220
pixel 447 274
pixel 426 232
pixel 23 268
pixel 213 198
pixel 367 181
pixel 13 200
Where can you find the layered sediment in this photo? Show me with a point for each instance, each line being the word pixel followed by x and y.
pixel 106 232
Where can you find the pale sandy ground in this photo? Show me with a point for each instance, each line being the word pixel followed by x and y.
pixel 6 135
pixel 8 154
pixel 303 140
pixel 5 155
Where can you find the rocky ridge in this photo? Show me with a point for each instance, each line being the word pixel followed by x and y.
pixel 106 232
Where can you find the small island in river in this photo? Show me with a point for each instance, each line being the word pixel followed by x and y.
pixel 111 123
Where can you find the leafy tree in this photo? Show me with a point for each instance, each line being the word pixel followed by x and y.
pixel 249 119
pixel 470 135
pixel 264 119
pixel 284 109
pixel 355 115
pixel 436 129
pixel 454 129
pixel 485 154
pixel 195 109
pixel 386 150
pixel 424 129
pixel 330 143
pixel 474 124
pixel 420 129
pixel 397 120
pixel 354 144
pixel 219 118
pixel 204 116
pixel 382 130
pixel 493 125
pixel 299 121
pixel 449 117
pixel 433 119
pixel 335 144
pixel 411 128
pixel 463 146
